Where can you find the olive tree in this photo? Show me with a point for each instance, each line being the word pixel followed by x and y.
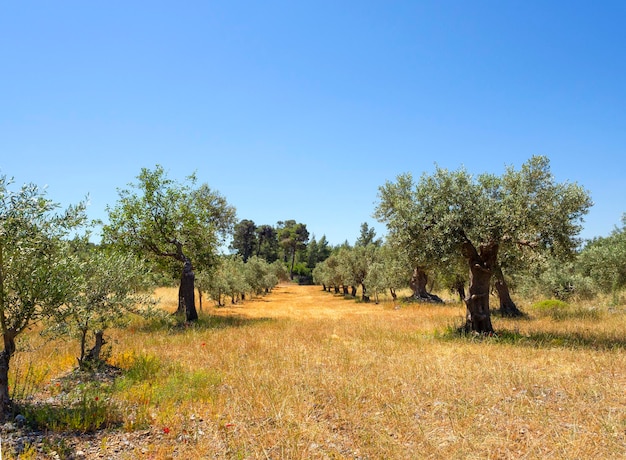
pixel 328 274
pixel 169 220
pixel 407 236
pixel 35 273
pixel 108 287
pixel 259 275
pixel 391 270
pixel 604 261
pixel 485 219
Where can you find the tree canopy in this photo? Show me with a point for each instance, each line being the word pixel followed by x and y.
pixel 484 218
pixel 34 270
pixel 167 219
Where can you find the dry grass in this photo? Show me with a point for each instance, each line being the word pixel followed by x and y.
pixel 305 374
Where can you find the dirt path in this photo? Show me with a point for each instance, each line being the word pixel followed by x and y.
pixel 301 302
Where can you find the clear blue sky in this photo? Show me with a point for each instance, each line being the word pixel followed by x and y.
pixel 301 110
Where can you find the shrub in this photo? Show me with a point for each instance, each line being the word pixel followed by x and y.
pixel 559 310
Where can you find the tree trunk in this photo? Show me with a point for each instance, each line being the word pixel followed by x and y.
pixel 336 289
pixel 459 287
pixel 293 263
pixel 83 343
pixel 93 356
pixel 478 316
pixel 364 296
pixel 186 293
pixel 353 291
pixel 5 400
pixel 507 306
pixel 200 298
pixel 418 283
pixel 394 296
pixel 345 290
pixel 5 357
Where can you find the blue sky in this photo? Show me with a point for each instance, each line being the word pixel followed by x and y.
pixel 301 110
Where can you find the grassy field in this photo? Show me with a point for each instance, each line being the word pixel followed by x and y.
pixel 303 374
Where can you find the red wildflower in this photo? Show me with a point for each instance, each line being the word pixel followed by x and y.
pixel 166 430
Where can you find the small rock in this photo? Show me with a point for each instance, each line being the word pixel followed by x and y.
pixel 20 420
pixel 9 426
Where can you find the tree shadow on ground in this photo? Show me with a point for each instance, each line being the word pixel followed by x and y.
pixel 542 339
pixel 204 322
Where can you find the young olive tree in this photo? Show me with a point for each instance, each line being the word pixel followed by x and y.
pixel 160 217
pixel 485 219
pixel 259 275
pixel 109 286
pixel 35 274
pixel 394 275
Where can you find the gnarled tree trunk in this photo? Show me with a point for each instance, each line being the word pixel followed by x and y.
pixel 186 292
pixel 481 265
pixel 507 306
pixel 92 357
pixel 418 283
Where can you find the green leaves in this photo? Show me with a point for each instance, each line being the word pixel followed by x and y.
pixel 522 210
pixel 34 273
pixel 107 286
pixel 161 217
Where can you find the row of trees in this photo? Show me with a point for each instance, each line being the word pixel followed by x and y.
pixel 484 232
pixel 480 231
pixel 157 226
pixel 234 279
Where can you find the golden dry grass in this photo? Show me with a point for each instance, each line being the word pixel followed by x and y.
pixel 304 374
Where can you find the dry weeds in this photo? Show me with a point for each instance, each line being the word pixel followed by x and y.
pixel 303 374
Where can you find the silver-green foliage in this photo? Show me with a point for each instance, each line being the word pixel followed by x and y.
pixel 604 260
pixel 525 212
pixel 35 274
pixel 109 286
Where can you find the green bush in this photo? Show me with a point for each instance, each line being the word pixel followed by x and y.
pixel 559 310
